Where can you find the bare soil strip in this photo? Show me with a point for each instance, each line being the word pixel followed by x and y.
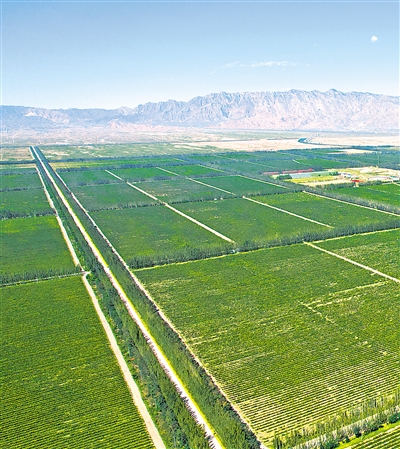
pixel 352 204
pixel 60 223
pixel 366 267
pixel 265 182
pixel 209 185
pixel 189 402
pixel 355 235
pixel 287 212
pixel 199 182
pixel 133 388
pixel 207 228
pixel 168 171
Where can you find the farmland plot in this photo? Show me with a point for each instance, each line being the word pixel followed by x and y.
pixel 62 387
pixel 87 177
pixel 384 193
pixel 24 202
pixel 290 334
pixel 141 174
pixel 110 196
pixel 242 220
pixel 380 250
pixel 192 170
pixel 334 213
pixel 20 181
pixel 33 245
pixel 385 440
pixel 243 186
pixel 152 231
pixel 177 190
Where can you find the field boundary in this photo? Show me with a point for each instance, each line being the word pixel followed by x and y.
pixel 188 217
pixel 287 212
pixel 366 267
pixel 49 278
pixel 163 361
pixel 60 223
pixel 352 204
pixel 133 388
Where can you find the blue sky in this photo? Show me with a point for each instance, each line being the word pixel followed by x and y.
pixel 110 54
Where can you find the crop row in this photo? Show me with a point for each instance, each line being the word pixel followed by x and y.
pixel 31 248
pixel 384 440
pixel 283 360
pixel 62 383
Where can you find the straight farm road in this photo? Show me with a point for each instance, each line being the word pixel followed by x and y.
pixel 188 217
pixel 352 204
pixel 163 361
pixel 366 267
pixel 133 388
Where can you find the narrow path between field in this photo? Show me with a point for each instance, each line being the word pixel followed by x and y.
pixel 352 204
pixel 250 199
pixel 188 217
pixel 133 388
pixel 287 212
pixel 163 361
pixel 265 182
pixel 366 267
pixel 199 182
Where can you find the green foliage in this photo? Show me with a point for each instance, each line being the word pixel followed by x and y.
pixel 155 232
pixel 19 181
pixel 313 317
pixel 109 196
pixel 379 193
pixel 17 203
pixel 33 247
pixel 56 353
pixel 324 210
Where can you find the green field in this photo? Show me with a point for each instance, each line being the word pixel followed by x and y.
pixel 24 202
pixel 380 250
pixel 384 440
pixel 141 174
pixel 87 177
pixel 61 385
pixel 192 170
pixel 383 193
pixel 33 245
pixel 292 335
pixel 243 186
pixel 177 190
pixel 151 231
pixel 242 220
pixel 328 211
pixel 110 196
pixel 20 181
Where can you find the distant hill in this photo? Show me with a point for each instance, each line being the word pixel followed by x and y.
pixel 292 110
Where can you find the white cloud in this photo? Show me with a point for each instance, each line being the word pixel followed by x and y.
pixel 231 65
pixel 374 39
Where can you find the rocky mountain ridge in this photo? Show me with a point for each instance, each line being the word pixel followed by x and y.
pixel 291 110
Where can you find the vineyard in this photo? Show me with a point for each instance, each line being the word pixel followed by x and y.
pixel 111 196
pixel 62 386
pixel 148 231
pixel 283 325
pixel 383 193
pixel 33 247
pixel 385 440
pixel 276 304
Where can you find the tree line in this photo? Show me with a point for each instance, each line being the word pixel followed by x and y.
pixel 234 433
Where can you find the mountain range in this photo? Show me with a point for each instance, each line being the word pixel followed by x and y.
pixel 291 110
